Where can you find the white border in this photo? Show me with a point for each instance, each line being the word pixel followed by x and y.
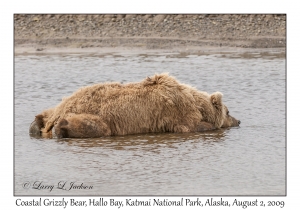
pixel 8 8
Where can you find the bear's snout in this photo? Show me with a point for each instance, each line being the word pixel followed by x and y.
pixel 230 122
pixel 234 122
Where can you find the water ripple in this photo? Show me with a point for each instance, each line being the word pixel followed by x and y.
pixel 209 163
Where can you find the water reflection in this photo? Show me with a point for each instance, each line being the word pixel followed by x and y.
pixel 132 142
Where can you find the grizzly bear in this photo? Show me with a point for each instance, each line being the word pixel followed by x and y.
pixel 157 104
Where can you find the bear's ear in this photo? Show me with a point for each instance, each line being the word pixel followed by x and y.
pixel 216 99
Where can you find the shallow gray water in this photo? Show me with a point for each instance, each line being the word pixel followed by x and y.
pixel 249 160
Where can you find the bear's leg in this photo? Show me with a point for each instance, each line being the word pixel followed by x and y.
pixel 201 126
pixel 204 126
pixel 81 126
pixel 49 124
pixel 39 123
pixel 181 129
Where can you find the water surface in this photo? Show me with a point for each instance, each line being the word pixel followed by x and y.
pixel 249 160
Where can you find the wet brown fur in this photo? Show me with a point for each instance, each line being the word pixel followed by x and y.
pixel 157 104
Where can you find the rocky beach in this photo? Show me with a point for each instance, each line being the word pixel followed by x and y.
pixel 42 33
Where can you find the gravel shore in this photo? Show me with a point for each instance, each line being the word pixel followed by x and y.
pixel 41 33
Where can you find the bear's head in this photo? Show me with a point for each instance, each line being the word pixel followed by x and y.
pixel 230 121
pixel 222 117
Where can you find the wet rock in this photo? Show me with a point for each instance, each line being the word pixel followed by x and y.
pixel 107 19
pixel 35 19
pixel 146 17
pixel 127 17
pixel 109 16
pixel 159 18
pixel 119 17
